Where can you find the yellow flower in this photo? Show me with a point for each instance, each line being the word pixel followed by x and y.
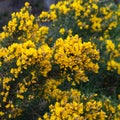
pixel 110 46
pixel 1 113
pixel 112 25
pixel 119 96
pixel 0 63
pixel 94 6
pixel 10 115
pixel 27 4
pixel 101 38
pixel 20 96
pixel 4 99
pixel 118 106
pixel 62 30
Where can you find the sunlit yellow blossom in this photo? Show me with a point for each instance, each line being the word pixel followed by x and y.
pixel 44 16
pixel 27 4
pixel 62 30
pixel 110 45
pixel 20 96
pixel 51 62
pixel 1 113
pixel 71 53
pixel 118 107
pixel 112 64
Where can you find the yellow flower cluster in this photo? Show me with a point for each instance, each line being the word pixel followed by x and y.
pixel 62 30
pixel 87 14
pixel 24 26
pixel 27 54
pixel 72 105
pixel 92 18
pixel 62 7
pixel 22 58
pixel 110 45
pixel 92 21
pixel 114 51
pixel 51 90
pixel 7 104
pixel 77 56
pixel 45 16
pixel 113 65
pixel 80 46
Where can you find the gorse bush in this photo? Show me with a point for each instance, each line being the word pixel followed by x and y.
pixel 23 61
pixel 72 105
pixel 67 70
pixel 93 21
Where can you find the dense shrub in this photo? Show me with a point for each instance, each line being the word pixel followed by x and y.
pixel 93 21
pixel 67 70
